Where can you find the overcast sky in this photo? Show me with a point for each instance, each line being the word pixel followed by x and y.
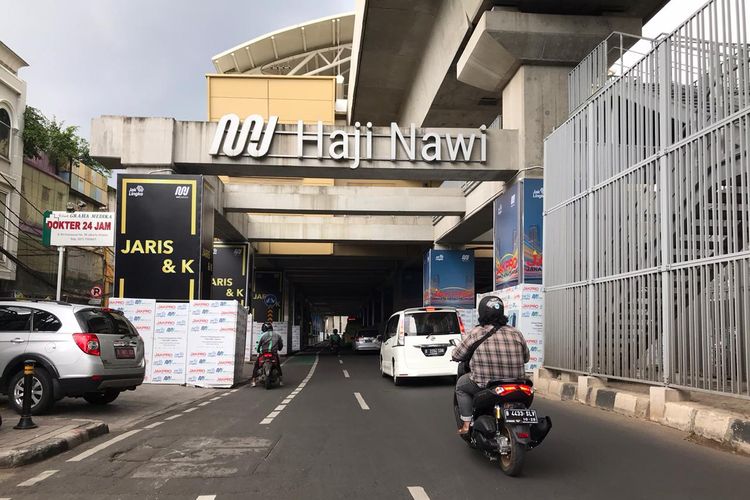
pixel 148 57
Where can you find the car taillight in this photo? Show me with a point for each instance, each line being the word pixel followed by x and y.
pixel 461 326
pixel 88 343
pixel 401 334
pixel 501 390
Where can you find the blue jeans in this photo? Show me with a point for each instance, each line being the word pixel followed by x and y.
pixel 465 390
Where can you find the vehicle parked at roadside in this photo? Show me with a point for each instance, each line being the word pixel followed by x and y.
pixel 79 350
pixel 367 339
pixel 417 343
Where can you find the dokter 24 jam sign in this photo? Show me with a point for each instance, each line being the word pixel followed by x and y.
pixel 163 238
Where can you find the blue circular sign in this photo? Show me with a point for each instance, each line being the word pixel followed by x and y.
pixel 270 300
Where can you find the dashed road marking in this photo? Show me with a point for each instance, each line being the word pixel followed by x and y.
pixel 287 400
pixel 205 403
pixel 216 398
pixel 269 418
pixel 361 401
pixel 154 425
pixel 206 497
pixel 173 417
pixel 418 493
pixel 96 449
pixel 37 479
pixel 190 410
pixel 346 374
pixel 234 390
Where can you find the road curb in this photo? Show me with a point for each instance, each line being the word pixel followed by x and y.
pixel 54 446
pixel 663 405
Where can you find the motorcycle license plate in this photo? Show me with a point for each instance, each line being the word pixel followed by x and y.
pixel 124 353
pixel 433 351
pixel 521 416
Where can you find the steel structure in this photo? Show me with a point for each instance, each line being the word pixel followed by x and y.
pixel 647 270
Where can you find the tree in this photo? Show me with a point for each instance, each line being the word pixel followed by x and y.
pixel 59 142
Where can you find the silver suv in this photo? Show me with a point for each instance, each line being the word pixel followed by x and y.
pixel 80 351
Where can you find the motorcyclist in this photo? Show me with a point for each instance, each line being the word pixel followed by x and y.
pixel 501 356
pixel 335 339
pixel 269 342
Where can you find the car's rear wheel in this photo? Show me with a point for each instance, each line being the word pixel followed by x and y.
pixel 101 398
pixel 41 391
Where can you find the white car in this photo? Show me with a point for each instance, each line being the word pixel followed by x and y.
pixel 418 343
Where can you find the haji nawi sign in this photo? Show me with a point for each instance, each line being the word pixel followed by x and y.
pixel 82 229
pixel 252 137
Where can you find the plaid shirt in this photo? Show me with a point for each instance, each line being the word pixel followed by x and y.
pixel 502 355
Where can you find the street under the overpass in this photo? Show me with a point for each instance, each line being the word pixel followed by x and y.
pixel 348 433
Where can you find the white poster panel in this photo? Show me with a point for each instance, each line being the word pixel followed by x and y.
pixel 249 346
pixel 279 327
pixel 87 229
pixel 212 339
pixel 295 338
pixel 468 317
pixel 142 314
pixel 170 343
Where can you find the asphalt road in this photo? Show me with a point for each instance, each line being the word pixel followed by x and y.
pixel 322 443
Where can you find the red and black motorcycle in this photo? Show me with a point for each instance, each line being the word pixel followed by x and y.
pixel 504 427
pixel 270 370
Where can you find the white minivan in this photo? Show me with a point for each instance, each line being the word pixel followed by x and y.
pixel 417 343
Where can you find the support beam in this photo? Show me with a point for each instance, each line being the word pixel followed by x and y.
pixel 343 200
pixel 474 225
pixel 334 229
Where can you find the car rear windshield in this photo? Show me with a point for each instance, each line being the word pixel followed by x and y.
pixel 105 322
pixel 367 333
pixel 432 323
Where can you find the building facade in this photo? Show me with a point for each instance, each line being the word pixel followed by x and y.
pixel 12 106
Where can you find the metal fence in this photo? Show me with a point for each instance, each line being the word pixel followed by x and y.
pixel 647 230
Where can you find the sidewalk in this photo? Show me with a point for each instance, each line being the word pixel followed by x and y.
pixel 73 421
pixel 717 418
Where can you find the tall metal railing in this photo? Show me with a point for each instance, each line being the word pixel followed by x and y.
pixel 647 230
pixel 609 60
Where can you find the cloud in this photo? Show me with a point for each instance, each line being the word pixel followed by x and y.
pixel 137 57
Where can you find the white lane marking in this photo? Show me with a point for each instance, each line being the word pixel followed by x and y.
pixel 96 449
pixel 152 426
pixel 287 400
pixel 234 390
pixel 173 417
pixel 346 374
pixel 216 398
pixel 41 477
pixel 269 418
pixel 361 401
pixel 205 403
pixel 341 361
pixel 225 394
pixel 206 497
pixel 418 493
pixel 190 410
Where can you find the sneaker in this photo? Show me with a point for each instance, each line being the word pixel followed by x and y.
pixel 281 383
pixel 252 384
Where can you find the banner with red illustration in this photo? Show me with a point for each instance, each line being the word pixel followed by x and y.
pixel 506 236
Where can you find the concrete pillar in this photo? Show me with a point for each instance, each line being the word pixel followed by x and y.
pixel 535 101
pixel 659 397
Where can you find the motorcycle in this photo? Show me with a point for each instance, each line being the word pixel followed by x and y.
pixel 270 372
pixel 504 427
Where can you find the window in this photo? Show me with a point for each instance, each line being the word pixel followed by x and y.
pixel 15 319
pixel 432 323
pixel 4 133
pixel 3 222
pixel 390 329
pixel 46 322
pixel 122 327
pixel 95 321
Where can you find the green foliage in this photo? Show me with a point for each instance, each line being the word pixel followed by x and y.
pixel 59 142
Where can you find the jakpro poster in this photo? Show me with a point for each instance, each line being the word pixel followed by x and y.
pixel 507 238
pixel 533 215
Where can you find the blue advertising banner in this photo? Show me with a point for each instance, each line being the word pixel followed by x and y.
pixel 449 278
pixel 533 215
pixel 506 232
